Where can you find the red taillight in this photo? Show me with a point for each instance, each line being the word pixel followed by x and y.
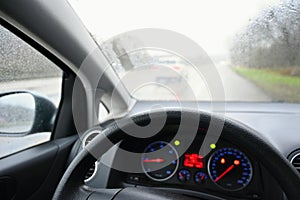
pixel 176 67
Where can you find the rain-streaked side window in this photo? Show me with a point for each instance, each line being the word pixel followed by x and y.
pixel 26 77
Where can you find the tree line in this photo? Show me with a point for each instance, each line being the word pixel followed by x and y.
pixel 272 40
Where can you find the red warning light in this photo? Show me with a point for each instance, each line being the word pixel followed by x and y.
pixel 223 161
pixel 193 160
pixel 236 162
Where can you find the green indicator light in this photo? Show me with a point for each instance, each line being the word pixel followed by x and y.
pixel 212 146
pixel 177 142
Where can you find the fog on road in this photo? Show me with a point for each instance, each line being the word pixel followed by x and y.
pixel 190 84
pixel 160 84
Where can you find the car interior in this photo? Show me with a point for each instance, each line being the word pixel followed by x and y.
pixel 74 124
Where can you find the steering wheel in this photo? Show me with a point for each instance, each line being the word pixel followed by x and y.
pixel 72 185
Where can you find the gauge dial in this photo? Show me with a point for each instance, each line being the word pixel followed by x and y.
pixel 184 175
pixel 160 161
pixel 230 169
pixel 200 177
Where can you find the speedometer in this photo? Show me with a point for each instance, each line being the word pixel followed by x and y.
pixel 230 169
pixel 160 161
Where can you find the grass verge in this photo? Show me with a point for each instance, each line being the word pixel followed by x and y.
pixel 280 87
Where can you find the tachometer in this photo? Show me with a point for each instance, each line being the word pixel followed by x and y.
pixel 160 161
pixel 230 169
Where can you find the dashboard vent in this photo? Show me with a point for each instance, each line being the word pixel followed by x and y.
pixel 92 170
pixel 295 160
pixel 90 137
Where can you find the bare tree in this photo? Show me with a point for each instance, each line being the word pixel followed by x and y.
pixel 272 40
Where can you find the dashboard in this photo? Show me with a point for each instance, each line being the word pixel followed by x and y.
pixel 229 171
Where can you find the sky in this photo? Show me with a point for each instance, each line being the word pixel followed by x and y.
pixel 211 23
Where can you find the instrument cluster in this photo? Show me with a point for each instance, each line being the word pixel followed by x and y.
pixel 227 168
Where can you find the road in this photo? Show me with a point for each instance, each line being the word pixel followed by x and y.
pixel 156 84
pixel 49 87
pixel 237 88
pixel 193 86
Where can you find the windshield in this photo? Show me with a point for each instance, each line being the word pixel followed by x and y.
pixel 229 50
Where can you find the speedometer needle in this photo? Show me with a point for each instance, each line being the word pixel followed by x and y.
pixel 224 173
pixel 157 160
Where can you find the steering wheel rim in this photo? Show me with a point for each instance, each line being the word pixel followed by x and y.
pixel 72 185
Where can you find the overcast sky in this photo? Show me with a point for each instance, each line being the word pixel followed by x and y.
pixel 210 23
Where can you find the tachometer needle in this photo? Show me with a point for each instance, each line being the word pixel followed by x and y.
pixel 202 177
pixel 224 173
pixel 180 175
pixel 157 160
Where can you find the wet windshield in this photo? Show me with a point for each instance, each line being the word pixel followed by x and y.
pixel 229 50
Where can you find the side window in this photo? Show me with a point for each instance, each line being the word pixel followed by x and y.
pixel 30 92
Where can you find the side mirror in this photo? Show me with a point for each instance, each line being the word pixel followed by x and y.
pixel 25 112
